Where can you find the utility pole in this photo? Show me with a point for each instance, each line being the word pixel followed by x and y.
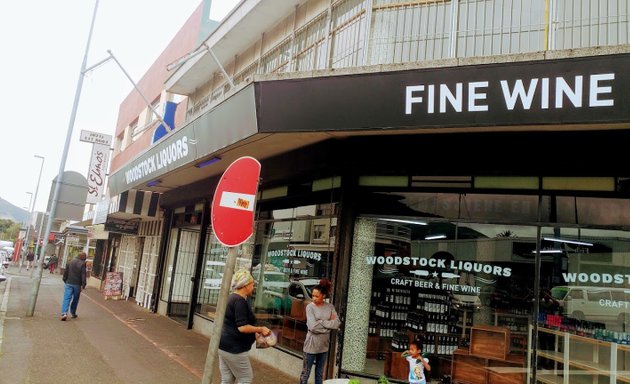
pixel 62 166
pixel 41 168
pixel 28 231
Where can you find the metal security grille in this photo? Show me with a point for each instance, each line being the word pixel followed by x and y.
pixel 408 31
pixel 589 23
pixel 490 27
pixel 348 33
pixel 126 261
pixel 147 271
pixel 246 73
pixel 277 60
pixel 184 271
pixel 309 45
pixel 352 33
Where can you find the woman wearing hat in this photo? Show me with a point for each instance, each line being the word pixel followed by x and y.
pixel 239 332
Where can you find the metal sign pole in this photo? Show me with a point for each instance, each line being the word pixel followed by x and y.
pixel 219 315
pixel 62 166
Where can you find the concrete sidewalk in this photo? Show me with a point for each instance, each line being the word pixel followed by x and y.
pixel 110 342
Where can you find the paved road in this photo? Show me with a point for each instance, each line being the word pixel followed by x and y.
pixel 110 342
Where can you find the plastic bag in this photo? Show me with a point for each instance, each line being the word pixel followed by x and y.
pixel 266 341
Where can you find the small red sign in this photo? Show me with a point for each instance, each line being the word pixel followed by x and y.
pixel 234 200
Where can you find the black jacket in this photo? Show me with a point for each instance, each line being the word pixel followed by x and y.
pixel 75 274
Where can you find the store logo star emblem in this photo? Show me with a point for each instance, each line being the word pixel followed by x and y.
pixel 434 274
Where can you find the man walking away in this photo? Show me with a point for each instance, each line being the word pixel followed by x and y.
pixel 30 256
pixel 75 278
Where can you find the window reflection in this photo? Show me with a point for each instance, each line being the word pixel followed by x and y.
pixel 452 287
pixel 294 249
pixel 585 319
pixel 214 259
pixel 457 275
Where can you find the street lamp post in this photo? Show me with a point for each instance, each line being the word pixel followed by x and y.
pixel 62 167
pixel 28 230
pixel 40 234
pixel 41 168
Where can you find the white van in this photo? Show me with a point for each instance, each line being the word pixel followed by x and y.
pixel 601 304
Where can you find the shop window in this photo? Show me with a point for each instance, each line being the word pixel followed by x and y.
pixel 293 251
pixel 214 259
pixel 458 278
pixel 450 287
pixel 588 318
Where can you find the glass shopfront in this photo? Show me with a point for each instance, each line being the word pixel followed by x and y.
pixel 294 249
pixel 214 259
pixel 488 294
pixel 291 250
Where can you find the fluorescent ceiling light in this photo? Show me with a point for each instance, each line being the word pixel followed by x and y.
pixel 435 237
pixel 205 163
pixel 568 241
pixel 153 183
pixel 406 221
pixel 549 251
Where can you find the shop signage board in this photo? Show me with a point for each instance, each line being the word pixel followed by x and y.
pixel 95 137
pixel 129 227
pixel 585 90
pixel 233 202
pixel 113 284
pixel 97 172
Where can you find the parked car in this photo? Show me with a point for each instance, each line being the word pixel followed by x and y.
pixel 273 291
pixel 301 289
pixel 275 281
pixel 300 295
pixel 284 297
pixel 602 304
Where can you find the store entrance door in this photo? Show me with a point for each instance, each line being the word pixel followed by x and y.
pixel 183 270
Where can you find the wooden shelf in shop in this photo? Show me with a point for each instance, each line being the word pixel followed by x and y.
pixel 398 367
pixel 467 368
pixel 293 333
pixel 570 369
pixel 471 368
pixel 508 314
pixel 490 341
pixel 506 375
pixel 372 347
pixel 583 339
pixel 551 355
pixel 549 379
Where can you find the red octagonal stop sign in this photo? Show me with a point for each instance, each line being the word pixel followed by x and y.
pixel 233 202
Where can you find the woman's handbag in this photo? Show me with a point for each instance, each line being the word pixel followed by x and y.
pixel 266 341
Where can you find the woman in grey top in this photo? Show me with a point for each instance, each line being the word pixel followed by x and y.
pixel 321 318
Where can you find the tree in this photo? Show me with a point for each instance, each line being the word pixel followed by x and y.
pixel 9 229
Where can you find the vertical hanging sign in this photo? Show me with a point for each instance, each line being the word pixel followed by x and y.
pixel 99 162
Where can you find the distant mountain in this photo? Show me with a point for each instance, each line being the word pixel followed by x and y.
pixel 11 212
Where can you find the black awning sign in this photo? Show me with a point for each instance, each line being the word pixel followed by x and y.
pixel 585 90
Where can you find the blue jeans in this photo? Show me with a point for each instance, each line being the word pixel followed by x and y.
pixel 319 359
pixel 71 292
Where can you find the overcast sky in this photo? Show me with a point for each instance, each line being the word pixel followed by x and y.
pixel 43 43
